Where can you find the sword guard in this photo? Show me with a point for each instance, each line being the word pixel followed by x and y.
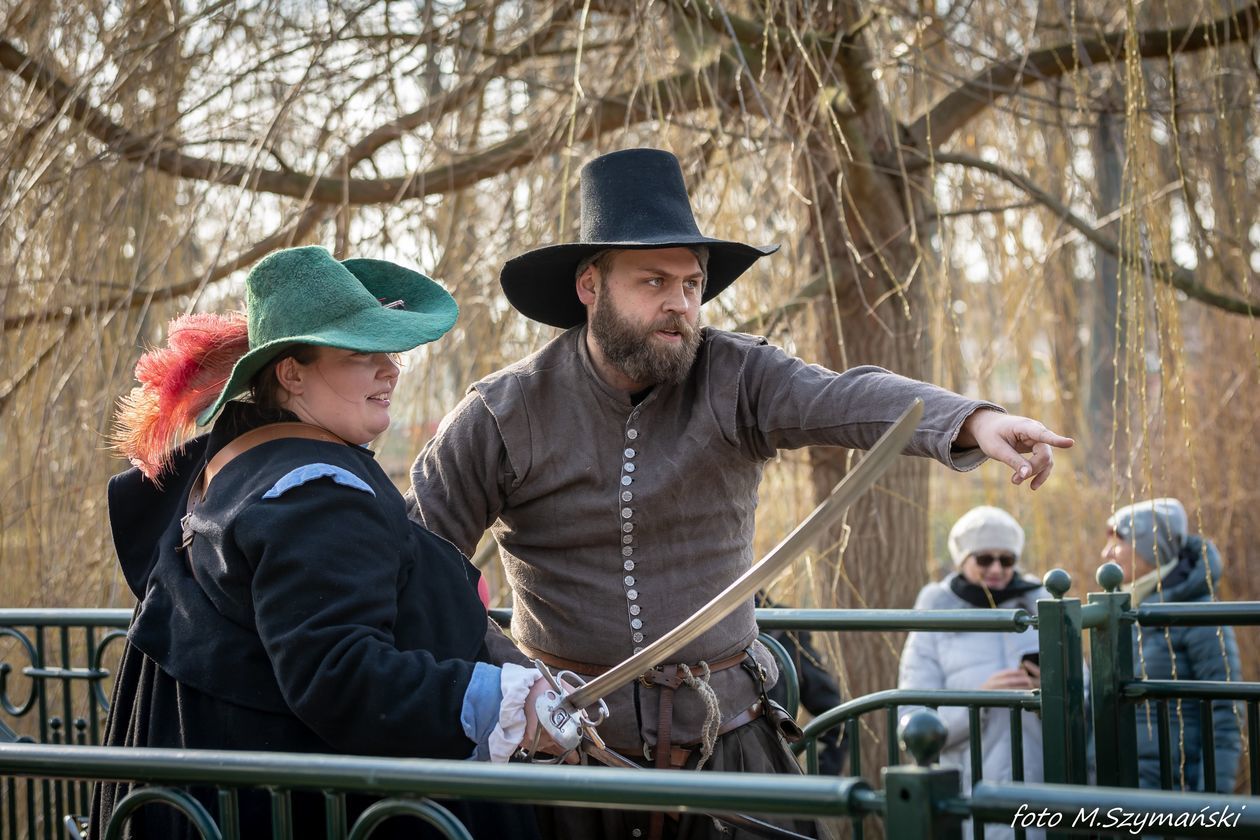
pixel 556 716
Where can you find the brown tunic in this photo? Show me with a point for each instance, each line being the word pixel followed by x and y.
pixel 617 521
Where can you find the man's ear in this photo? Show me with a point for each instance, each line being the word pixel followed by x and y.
pixel 289 375
pixel 587 283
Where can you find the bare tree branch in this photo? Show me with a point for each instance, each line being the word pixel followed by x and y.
pixel 10 386
pixel 153 151
pixel 1177 276
pixel 683 91
pixel 1004 78
pixel 140 297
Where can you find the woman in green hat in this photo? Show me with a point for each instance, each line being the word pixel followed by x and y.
pixel 286 602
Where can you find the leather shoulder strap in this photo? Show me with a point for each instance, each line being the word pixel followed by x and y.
pixel 246 442
pixel 261 435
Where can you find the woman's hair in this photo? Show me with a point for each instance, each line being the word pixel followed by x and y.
pixel 265 388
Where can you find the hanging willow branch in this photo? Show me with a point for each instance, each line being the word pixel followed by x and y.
pixel 1005 78
pixel 1177 276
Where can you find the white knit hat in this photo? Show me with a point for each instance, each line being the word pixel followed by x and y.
pixel 985 529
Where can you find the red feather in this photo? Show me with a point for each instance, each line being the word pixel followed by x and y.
pixel 177 382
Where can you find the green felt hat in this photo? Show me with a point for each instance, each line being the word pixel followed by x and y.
pixel 304 296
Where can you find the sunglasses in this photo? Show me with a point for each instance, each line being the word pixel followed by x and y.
pixel 984 561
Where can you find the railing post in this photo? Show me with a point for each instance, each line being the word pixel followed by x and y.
pixel 1062 683
pixel 913 794
pixel 1111 666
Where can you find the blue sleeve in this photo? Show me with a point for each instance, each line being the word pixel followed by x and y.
pixel 480 713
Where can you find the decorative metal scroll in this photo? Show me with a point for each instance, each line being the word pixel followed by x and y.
pixel 180 800
pixel 5 703
pixel 425 809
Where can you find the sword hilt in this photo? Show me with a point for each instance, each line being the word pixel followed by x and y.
pixel 563 723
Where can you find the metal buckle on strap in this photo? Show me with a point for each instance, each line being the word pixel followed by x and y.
pixel 188 533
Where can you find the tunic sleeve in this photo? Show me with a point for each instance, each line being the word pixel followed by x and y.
pixel 458 480
pixel 784 403
pixel 326 563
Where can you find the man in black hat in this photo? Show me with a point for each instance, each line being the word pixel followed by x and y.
pixel 618 467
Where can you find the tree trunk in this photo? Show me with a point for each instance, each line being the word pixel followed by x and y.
pixel 1106 309
pixel 872 316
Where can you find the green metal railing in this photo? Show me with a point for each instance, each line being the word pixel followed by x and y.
pixel 59 655
pixel 54 691
pixel 891 702
pixel 1117 691
pixel 404 784
pixel 918 801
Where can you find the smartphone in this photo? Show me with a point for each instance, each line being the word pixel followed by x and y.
pixel 1034 658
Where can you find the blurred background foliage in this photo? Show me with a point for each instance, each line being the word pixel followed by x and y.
pixel 1049 204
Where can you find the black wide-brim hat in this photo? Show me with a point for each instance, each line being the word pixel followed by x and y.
pixel 632 199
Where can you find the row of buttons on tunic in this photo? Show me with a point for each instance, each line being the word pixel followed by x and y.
pixel 627 530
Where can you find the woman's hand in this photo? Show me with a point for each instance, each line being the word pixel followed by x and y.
pixel 1010 679
pixel 532 728
pixel 531 716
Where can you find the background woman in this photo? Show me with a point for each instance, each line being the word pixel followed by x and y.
pixel 286 602
pixel 986 544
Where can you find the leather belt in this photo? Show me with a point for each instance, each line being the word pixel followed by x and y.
pixel 679 753
pixel 668 678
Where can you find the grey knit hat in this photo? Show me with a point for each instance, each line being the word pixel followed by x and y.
pixel 1156 528
pixel 985 528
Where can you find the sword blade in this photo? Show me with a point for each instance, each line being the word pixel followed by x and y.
pixel 860 479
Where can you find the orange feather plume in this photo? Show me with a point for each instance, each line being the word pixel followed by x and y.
pixel 177 382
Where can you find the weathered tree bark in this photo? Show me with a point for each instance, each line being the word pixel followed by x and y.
pixel 862 238
pixel 1106 306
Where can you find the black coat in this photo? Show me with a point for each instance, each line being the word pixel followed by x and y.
pixel 314 619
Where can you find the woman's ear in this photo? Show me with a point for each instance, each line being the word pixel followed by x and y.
pixel 289 375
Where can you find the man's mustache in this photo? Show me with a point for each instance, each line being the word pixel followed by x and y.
pixel 676 324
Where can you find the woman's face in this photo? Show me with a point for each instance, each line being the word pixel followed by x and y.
pixel 995 575
pixel 345 392
pixel 1121 553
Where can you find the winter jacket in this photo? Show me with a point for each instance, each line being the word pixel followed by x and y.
pixel 961 662
pixel 1188 653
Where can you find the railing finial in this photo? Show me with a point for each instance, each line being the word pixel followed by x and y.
pixel 923 735
pixel 1110 576
pixel 1058 582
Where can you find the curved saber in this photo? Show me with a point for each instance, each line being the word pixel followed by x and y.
pixel 877 461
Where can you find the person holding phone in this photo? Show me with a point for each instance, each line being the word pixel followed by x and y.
pixel 986 545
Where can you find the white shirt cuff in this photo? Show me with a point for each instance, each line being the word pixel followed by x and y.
pixel 515 683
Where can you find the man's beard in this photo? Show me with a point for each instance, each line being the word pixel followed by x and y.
pixel 634 351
